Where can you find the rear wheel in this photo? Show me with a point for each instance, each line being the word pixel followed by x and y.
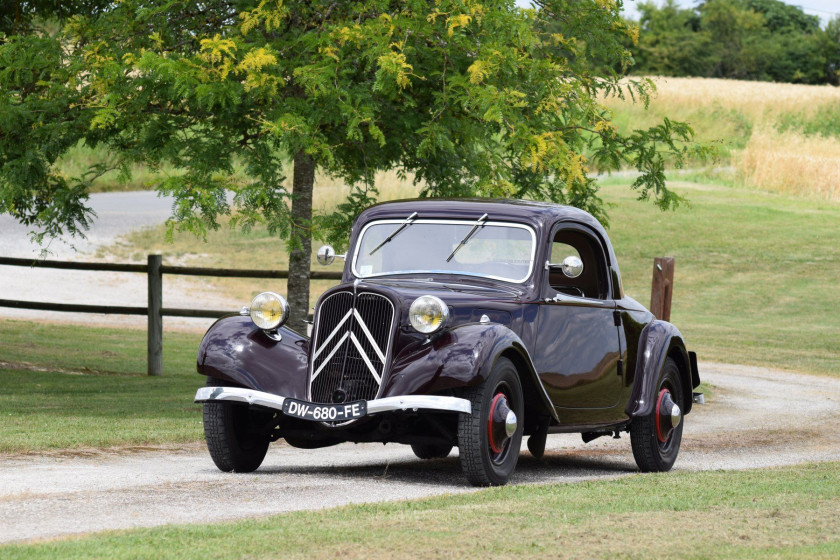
pixel 235 433
pixel 656 437
pixel 430 450
pixel 490 437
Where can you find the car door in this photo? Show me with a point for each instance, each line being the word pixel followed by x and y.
pixel 578 347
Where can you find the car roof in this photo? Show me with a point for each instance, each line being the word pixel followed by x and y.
pixel 536 213
pixel 540 215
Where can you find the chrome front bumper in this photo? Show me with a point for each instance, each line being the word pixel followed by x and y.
pixel 388 404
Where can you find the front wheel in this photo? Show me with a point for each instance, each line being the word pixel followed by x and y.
pixel 235 434
pixel 490 437
pixel 656 437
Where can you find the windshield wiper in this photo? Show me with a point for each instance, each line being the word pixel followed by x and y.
pixel 408 221
pixel 478 224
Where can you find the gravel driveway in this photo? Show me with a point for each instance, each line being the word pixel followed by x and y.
pixel 756 418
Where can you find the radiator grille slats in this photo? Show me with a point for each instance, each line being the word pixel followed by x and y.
pixel 351 346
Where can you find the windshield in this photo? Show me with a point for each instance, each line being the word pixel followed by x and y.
pixel 494 250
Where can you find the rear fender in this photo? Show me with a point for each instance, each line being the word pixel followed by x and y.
pixel 236 350
pixel 658 341
pixel 462 357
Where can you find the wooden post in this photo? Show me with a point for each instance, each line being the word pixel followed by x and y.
pixel 155 334
pixel 662 287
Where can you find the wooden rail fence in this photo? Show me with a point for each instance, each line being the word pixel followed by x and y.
pixel 660 301
pixel 154 270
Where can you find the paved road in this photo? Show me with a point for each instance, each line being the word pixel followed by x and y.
pixel 117 215
pixel 757 418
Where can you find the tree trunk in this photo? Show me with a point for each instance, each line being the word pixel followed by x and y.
pixel 300 258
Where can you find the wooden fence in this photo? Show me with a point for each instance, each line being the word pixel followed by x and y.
pixel 660 301
pixel 154 270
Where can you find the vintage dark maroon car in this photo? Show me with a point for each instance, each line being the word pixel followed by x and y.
pixel 467 323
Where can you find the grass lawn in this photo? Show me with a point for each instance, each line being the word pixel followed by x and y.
pixel 756 273
pixel 778 513
pixel 95 391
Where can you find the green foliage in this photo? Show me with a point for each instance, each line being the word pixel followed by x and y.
pixel 824 122
pixel 472 99
pixel 743 39
pixel 22 16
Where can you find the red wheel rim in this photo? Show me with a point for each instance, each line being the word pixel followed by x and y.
pixel 493 404
pixel 662 438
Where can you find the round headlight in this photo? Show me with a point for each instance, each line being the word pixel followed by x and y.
pixel 428 314
pixel 269 310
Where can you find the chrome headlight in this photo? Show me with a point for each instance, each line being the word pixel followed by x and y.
pixel 269 310
pixel 428 314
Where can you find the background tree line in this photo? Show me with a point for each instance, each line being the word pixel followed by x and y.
pixel 740 39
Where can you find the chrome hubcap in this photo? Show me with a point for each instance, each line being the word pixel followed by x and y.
pixel 510 423
pixel 676 416
pixel 668 415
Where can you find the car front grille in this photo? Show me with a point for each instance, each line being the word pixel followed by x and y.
pixel 350 349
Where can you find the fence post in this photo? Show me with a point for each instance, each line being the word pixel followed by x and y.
pixel 155 334
pixel 662 287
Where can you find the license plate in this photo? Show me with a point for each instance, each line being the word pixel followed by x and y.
pixel 324 412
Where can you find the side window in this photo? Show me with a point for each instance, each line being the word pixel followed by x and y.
pixel 560 251
pixel 592 283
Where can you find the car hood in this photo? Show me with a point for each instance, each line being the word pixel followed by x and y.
pixel 469 300
pixel 452 292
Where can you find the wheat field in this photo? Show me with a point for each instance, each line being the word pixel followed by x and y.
pixel 791 163
pixel 760 101
pixel 778 137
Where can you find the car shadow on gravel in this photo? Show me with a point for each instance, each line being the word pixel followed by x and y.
pixel 553 467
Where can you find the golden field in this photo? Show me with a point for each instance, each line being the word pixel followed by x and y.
pixel 791 162
pixel 777 137
pixel 760 101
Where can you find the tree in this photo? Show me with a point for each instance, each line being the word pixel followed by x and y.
pixel 671 42
pixel 471 98
pixel 743 39
pixel 20 16
pixel 779 16
pixel 830 49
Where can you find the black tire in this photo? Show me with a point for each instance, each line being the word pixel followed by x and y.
pixel 431 450
pixel 651 454
pixel 233 434
pixel 481 465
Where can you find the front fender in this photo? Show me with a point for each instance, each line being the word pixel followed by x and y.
pixel 237 350
pixel 658 340
pixel 461 357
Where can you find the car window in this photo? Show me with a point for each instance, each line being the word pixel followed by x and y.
pixel 496 250
pixel 560 251
pixel 592 283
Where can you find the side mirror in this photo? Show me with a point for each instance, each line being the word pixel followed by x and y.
pixel 326 255
pixel 572 267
